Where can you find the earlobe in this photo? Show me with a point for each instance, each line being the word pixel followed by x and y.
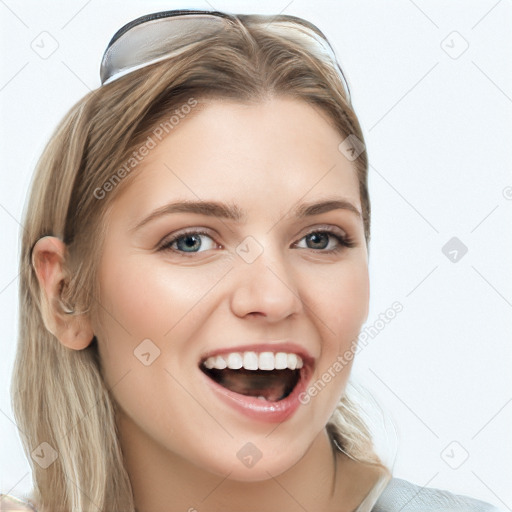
pixel 48 258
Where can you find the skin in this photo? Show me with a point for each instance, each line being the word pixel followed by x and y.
pixel 179 441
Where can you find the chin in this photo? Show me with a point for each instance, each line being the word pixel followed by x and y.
pixel 252 464
pixel 261 470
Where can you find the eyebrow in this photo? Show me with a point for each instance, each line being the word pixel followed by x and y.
pixel 233 212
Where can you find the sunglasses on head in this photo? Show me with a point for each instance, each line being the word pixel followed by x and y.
pixel 158 36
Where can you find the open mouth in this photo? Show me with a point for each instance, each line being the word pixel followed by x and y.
pixel 268 376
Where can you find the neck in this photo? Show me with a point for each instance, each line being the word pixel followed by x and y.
pixel 323 479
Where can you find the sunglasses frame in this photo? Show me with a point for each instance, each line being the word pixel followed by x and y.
pixel 112 66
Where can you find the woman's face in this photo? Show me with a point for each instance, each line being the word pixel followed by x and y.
pixel 272 281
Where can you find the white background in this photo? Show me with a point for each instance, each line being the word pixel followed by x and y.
pixel 438 136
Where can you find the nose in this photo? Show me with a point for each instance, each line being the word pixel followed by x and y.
pixel 266 287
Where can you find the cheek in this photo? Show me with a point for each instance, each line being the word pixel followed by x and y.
pixel 148 296
pixel 340 299
pixel 145 298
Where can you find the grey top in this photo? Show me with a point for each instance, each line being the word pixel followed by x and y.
pixel 403 496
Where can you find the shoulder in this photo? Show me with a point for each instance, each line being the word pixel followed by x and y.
pixel 401 495
pixel 9 503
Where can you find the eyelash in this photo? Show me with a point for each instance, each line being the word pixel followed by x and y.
pixel 343 241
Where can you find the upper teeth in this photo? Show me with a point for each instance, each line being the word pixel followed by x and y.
pixel 255 361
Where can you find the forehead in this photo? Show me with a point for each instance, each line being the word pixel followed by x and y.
pixel 272 153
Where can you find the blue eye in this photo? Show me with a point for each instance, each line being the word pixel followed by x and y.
pixel 326 240
pixel 321 239
pixel 189 242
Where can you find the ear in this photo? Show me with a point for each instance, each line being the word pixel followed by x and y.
pixel 48 257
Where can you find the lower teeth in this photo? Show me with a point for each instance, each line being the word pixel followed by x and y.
pixel 262 398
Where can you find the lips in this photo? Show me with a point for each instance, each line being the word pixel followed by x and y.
pixel 260 380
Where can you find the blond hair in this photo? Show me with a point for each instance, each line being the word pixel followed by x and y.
pixel 59 396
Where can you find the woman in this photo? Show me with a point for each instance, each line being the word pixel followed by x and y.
pixel 194 262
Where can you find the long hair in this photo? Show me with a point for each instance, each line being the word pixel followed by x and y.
pixel 60 400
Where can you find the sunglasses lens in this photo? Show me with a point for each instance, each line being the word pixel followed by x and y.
pixel 155 40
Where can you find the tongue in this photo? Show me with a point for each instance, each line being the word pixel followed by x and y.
pixel 273 385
